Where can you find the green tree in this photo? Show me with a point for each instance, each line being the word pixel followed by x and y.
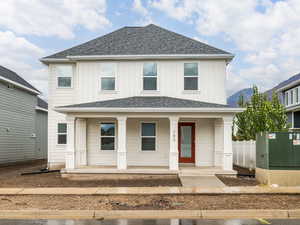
pixel 260 115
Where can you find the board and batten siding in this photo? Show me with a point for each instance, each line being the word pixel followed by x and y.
pixel 204 143
pixel 86 88
pixel 17 124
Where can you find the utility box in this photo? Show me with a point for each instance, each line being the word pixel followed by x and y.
pixel 278 158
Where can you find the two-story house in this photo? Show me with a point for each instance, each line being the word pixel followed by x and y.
pixel 139 100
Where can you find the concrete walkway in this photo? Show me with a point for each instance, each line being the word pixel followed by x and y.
pixel 149 190
pixel 201 181
pixel 148 214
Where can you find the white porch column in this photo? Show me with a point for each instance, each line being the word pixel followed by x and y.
pixel 70 150
pixel 81 148
pixel 173 157
pixel 227 142
pixel 218 142
pixel 121 153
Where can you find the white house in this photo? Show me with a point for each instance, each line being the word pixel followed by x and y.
pixel 139 100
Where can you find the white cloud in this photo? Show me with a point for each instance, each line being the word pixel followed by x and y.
pixel 17 54
pixel 138 7
pixel 52 18
pixel 266 32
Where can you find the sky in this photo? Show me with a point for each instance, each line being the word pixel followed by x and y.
pixel 262 34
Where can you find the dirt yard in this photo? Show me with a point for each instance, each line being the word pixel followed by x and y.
pixel 150 202
pixel 10 176
pixel 238 181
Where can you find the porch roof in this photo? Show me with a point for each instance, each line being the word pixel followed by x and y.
pixel 147 104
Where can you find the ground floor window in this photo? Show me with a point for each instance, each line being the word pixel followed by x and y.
pixel 61 133
pixel 148 136
pixel 107 136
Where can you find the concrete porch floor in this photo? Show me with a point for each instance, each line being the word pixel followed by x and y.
pixel 183 170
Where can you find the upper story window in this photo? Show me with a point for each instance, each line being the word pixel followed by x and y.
pixel 150 76
pixel 64 75
pixel 190 76
pixel 108 76
pixel 292 96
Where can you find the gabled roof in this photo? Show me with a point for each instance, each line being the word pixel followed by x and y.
pixel 146 103
pixel 42 103
pixel 148 40
pixel 12 77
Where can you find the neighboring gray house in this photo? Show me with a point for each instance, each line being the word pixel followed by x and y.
pixel 23 120
pixel 289 90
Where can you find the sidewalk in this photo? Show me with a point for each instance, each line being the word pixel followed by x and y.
pixel 149 190
pixel 149 214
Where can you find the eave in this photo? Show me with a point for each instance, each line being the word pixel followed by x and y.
pixel 227 57
pixel 168 110
pixel 20 86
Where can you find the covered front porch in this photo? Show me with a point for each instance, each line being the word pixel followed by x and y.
pixel 186 143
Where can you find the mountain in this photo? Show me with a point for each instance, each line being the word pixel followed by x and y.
pixel 233 99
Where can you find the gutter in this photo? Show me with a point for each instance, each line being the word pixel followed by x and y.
pixel 19 85
pixel 290 85
pixel 228 57
pixel 41 109
pixel 112 109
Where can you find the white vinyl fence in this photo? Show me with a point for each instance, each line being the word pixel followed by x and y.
pixel 244 153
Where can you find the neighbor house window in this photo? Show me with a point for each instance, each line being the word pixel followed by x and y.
pixel 190 76
pixel 292 96
pixel 286 98
pixel 107 138
pixel 296 95
pixel 150 76
pixel 61 133
pixel 64 76
pixel 108 76
pixel 148 135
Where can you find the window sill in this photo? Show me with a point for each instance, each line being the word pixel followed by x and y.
pixel 63 88
pixel 108 92
pixel 191 92
pixel 150 92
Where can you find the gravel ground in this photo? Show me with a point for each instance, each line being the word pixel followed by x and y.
pixel 152 202
pixel 10 176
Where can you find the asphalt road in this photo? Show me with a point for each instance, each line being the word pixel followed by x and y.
pixel 150 222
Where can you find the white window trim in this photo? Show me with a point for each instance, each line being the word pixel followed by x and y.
pixel 72 76
pixel 107 76
pixel 157 79
pixel 198 80
pixel 57 133
pixel 115 136
pixel 156 129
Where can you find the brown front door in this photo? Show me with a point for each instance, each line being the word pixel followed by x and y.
pixel 186 142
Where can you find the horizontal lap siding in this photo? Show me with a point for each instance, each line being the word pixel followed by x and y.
pixel 41 127
pixel 17 113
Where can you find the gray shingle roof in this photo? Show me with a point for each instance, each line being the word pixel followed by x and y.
pixel 147 102
pixel 11 75
pixel 42 103
pixel 148 40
